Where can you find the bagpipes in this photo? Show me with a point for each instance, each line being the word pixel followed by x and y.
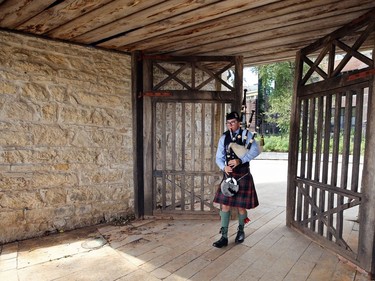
pixel 241 150
pixel 229 185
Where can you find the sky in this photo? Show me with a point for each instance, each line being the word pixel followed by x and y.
pixel 250 79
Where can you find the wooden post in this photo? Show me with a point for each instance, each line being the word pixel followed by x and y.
pixel 137 106
pixel 238 83
pixel 366 247
pixel 293 145
pixel 147 138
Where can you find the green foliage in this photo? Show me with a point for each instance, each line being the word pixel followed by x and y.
pixel 277 81
pixel 281 144
pixel 275 143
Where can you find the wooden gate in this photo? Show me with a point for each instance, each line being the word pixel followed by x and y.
pixel 185 142
pixel 330 198
pixel 184 101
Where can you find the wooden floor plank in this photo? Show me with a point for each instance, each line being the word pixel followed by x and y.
pixel 260 257
pixel 189 270
pixel 290 255
pixel 343 272
pixel 324 268
pixel 138 275
pixel 305 264
pixel 153 254
pixel 219 264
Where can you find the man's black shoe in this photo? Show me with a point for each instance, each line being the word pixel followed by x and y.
pixel 240 237
pixel 221 242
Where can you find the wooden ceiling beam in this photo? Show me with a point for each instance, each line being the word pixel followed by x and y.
pixel 140 19
pixel 232 24
pixel 206 13
pixel 266 44
pixel 13 13
pixel 61 13
pixel 269 28
pixel 110 13
pixel 322 26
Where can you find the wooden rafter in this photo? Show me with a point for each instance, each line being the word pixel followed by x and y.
pixel 330 46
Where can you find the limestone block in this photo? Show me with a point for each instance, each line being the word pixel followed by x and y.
pixel 106 138
pixel 109 89
pixel 27 158
pixel 102 67
pixel 10 156
pixel 20 200
pixel 121 193
pixel 49 135
pixel 15 138
pixel 72 115
pixel 43 180
pixel 54 196
pixel 49 113
pixel 84 194
pixel 44 155
pixel 39 227
pixel 81 75
pixel 99 176
pixel 59 223
pixel 37 214
pixel 99 101
pixel 81 139
pixel 4 168
pixel 107 117
pixel 121 154
pixel 8 218
pixel 76 155
pixel 58 92
pixel 11 75
pixel 7 88
pixel 19 110
pixel 33 68
pixel 14 230
pixel 28 168
pixel 34 92
pixel 82 63
pixel 63 212
pixel 83 209
pixel 61 167
pixel 53 59
pixel 119 82
pixel 12 181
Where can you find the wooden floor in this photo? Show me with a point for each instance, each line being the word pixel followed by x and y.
pixel 178 249
pixel 175 250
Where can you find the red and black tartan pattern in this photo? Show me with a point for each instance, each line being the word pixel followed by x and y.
pixel 246 197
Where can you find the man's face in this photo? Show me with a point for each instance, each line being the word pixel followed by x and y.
pixel 233 124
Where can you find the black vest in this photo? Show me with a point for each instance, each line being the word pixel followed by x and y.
pixel 228 139
pixel 229 154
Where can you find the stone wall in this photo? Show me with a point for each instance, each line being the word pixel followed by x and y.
pixel 66 156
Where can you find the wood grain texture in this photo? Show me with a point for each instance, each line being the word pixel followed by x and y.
pixel 260 31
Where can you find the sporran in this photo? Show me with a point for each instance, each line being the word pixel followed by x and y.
pixel 229 186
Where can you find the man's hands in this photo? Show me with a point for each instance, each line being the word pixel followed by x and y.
pixel 231 165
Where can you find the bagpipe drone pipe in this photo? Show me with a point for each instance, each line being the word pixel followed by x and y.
pixel 241 150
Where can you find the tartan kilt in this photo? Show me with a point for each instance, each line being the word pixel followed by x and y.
pixel 246 196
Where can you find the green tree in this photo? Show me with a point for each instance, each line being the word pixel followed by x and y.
pixel 277 80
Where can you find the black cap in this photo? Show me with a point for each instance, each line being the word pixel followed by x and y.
pixel 233 115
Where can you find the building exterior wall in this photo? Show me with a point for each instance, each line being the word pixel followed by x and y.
pixel 66 156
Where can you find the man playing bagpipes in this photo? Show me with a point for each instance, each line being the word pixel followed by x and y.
pixel 236 148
